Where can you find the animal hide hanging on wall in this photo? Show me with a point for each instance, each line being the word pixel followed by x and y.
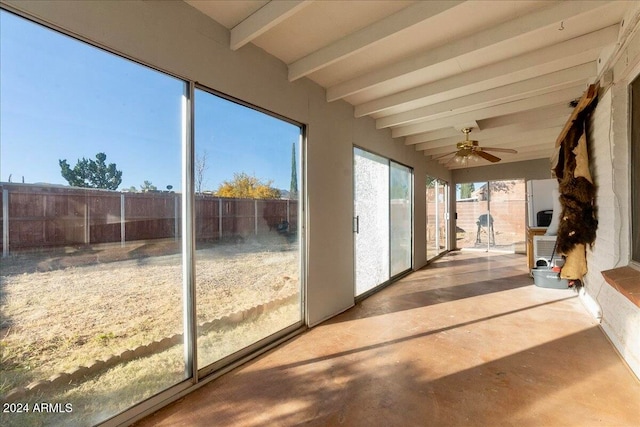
pixel 578 221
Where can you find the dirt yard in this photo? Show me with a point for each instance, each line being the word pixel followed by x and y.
pixel 62 309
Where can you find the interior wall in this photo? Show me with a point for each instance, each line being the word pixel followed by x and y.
pixel 610 166
pixel 176 38
pixel 530 169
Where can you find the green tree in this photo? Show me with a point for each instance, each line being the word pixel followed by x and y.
pixel 466 190
pixel 293 187
pixel 244 186
pixel 89 173
pixel 502 186
pixel 148 186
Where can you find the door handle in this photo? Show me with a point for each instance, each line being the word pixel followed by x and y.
pixel 356 224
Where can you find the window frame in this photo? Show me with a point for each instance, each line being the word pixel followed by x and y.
pixel 634 173
pixel 198 376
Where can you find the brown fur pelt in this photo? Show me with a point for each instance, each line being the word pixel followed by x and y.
pixel 567 160
pixel 578 189
pixel 578 223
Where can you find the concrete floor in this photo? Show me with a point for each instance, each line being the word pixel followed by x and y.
pixel 467 341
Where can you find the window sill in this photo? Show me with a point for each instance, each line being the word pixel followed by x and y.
pixel 625 280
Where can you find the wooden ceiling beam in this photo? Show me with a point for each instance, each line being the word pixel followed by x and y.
pixel 539 114
pixel 262 20
pixel 510 134
pixel 558 97
pixel 486 39
pixel 516 141
pixel 577 51
pixel 546 83
pixel 558 119
pixel 368 36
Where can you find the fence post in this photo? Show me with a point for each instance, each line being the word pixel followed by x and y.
pixel 255 214
pixel 123 227
pixel 5 222
pixel 288 218
pixel 87 230
pixel 44 215
pixel 176 221
pixel 220 218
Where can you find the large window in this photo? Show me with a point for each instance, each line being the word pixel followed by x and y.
pixel 110 296
pixel 247 208
pixel 91 274
pixel 635 172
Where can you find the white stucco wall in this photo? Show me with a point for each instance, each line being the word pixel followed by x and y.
pixel 176 38
pixel 610 166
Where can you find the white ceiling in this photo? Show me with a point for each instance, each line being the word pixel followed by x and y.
pixel 426 69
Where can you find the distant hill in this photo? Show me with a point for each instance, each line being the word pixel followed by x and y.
pixel 284 194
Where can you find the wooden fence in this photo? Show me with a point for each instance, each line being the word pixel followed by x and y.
pixel 40 216
pixel 508 221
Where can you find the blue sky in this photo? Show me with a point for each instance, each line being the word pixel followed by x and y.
pixel 63 99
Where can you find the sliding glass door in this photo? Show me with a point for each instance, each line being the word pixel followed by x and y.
pixel 507 205
pixel 371 204
pixel 491 215
pixel 400 220
pixel 437 217
pixel 383 206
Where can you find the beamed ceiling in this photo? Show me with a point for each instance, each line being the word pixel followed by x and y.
pixel 427 69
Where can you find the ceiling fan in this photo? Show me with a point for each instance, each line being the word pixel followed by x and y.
pixel 469 149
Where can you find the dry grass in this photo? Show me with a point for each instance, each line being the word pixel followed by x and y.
pixel 127 384
pixel 65 310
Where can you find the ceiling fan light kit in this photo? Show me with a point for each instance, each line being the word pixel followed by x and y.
pixel 469 149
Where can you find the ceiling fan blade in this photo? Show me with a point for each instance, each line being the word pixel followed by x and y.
pixel 443 155
pixel 499 150
pixel 488 156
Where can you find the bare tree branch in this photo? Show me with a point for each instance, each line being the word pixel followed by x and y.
pixel 200 167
